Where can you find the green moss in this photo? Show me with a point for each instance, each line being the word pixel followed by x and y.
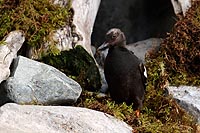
pixel 105 104
pixel 163 115
pixel 37 18
pixel 77 64
pixel 159 106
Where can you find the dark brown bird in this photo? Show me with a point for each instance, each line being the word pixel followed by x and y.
pixel 124 72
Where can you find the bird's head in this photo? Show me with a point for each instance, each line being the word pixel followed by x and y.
pixel 114 37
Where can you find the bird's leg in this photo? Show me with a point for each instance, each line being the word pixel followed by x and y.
pixel 137 113
pixel 138 105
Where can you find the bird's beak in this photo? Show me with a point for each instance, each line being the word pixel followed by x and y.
pixel 104 46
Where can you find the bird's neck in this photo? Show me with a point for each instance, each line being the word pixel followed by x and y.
pixel 121 45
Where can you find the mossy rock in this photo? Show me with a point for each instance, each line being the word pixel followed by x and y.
pixel 36 18
pixel 78 64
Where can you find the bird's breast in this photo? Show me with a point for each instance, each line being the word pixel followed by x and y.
pixel 120 62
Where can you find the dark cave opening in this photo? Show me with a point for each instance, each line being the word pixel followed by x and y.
pixel 138 19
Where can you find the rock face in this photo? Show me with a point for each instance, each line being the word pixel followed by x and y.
pixel 85 12
pixel 181 6
pixel 8 50
pixel 32 82
pixel 188 97
pixel 56 119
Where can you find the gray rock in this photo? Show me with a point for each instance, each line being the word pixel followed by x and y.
pixel 61 3
pixel 8 50
pixel 93 48
pixel 104 85
pixel 57 119
pixel 100 57
pixel 144 48
pixel 33 82
pixel 188 97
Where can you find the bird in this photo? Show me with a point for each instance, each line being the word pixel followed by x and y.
pixel 124 72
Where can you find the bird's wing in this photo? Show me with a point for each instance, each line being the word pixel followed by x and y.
pixel 143 72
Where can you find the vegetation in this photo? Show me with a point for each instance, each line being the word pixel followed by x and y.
pixel 181 49
pixel 37 18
